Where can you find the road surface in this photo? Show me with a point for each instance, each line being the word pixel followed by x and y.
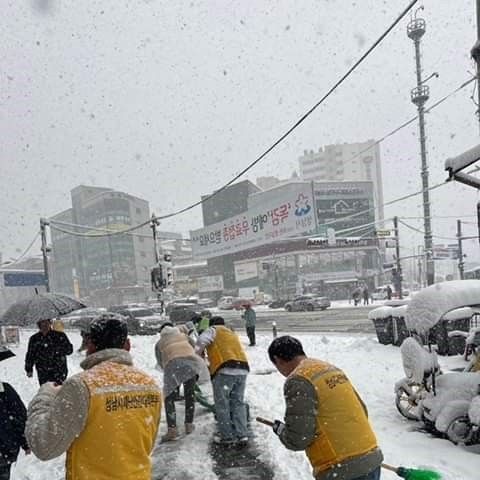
pixel 345 319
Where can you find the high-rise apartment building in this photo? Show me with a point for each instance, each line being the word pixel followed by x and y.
pixel 346 162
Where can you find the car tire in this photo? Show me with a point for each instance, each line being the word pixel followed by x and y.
pixel 459 431
pixel 288 308
pixel 323 308
pixel 309 308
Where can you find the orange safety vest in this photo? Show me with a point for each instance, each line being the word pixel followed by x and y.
pixel 342 427
pixel 123 417
pixel 226 351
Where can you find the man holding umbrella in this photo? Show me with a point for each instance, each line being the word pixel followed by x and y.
pixel 47 351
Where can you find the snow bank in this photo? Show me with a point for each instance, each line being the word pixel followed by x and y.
pixel 416 360
pixel 380 312
pixel 431 303
pixel 459 313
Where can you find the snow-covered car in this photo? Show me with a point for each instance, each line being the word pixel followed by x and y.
pixel 140 320
pixel 380 293
pixel 307 303
pixel 225 303
pixel 81 318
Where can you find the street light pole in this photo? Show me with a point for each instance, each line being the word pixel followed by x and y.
pixel 397 254
pixel 45 250
pixel 419 96
pixel 461 265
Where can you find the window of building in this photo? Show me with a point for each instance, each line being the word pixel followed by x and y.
pixel 138 211
pixel 143 254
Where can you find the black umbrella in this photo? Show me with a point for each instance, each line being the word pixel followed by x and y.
pixel 44 306
pixel 5 353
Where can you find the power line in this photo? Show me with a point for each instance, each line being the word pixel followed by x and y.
pixel 107 232
pixel 302 119
pixel 30 245
pixel 423 233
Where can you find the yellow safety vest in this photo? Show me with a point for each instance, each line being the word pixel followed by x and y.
pixel 123 417
pixel 342 427
pixel 226 351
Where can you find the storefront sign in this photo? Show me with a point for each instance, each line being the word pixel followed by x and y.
pixel 211 283
pixel 275 219
pixel 245 271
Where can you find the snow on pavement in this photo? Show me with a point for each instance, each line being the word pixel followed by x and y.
pixel 373 368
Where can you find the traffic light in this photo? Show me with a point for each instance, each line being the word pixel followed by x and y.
pixel 167 271
pixel 168 281
pixel 156 278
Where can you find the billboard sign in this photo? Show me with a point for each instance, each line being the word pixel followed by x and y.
pixel 344 204
pixel 275 219
pixel 211 283
pixel 245 271
pixel 344 242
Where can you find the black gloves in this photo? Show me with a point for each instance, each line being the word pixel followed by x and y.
pixel 278 427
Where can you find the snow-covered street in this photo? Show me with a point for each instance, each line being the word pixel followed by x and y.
pixel 373 368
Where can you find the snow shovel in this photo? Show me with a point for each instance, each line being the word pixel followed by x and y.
pixel 407 473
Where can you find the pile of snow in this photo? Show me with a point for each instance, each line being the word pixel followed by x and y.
pixel 400 312
pixel 417 361
pixel 474 411
pixel 460 313
pixel 432 303
pixel 380 312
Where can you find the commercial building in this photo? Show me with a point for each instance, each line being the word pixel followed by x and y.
pixel 111 268
pixel 265 246
pixel 346 162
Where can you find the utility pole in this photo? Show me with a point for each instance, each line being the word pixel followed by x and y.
pixel 398 282
pixel 420 267
pixel 419 96
pixel 475 52
pixel 460 250
pixel 45 250
pixel 154 222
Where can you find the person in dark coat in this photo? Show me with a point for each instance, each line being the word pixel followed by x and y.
pixel 13 416
pixel 389 292
pixel 47 351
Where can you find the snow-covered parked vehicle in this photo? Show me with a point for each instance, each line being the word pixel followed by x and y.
pixel 447 403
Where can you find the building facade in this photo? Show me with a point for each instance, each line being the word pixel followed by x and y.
pixel 228 203
pixel 346 162
pixel 86 265
pixel 274 256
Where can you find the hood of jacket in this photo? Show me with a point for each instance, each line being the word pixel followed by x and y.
pixel 116 355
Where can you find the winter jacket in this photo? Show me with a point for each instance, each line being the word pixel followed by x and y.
pixel 224 351
pixel 326 418
pixel 106 418
pixel 250 317
pixel 48 354
pixel 172 344
pixel 13 415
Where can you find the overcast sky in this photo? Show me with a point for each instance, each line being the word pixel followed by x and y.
pixel 168 100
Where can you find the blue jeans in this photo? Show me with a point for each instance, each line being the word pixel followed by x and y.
pixel 230 409
pixel 374 475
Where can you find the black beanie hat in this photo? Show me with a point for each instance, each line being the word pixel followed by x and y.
pixel 109 330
